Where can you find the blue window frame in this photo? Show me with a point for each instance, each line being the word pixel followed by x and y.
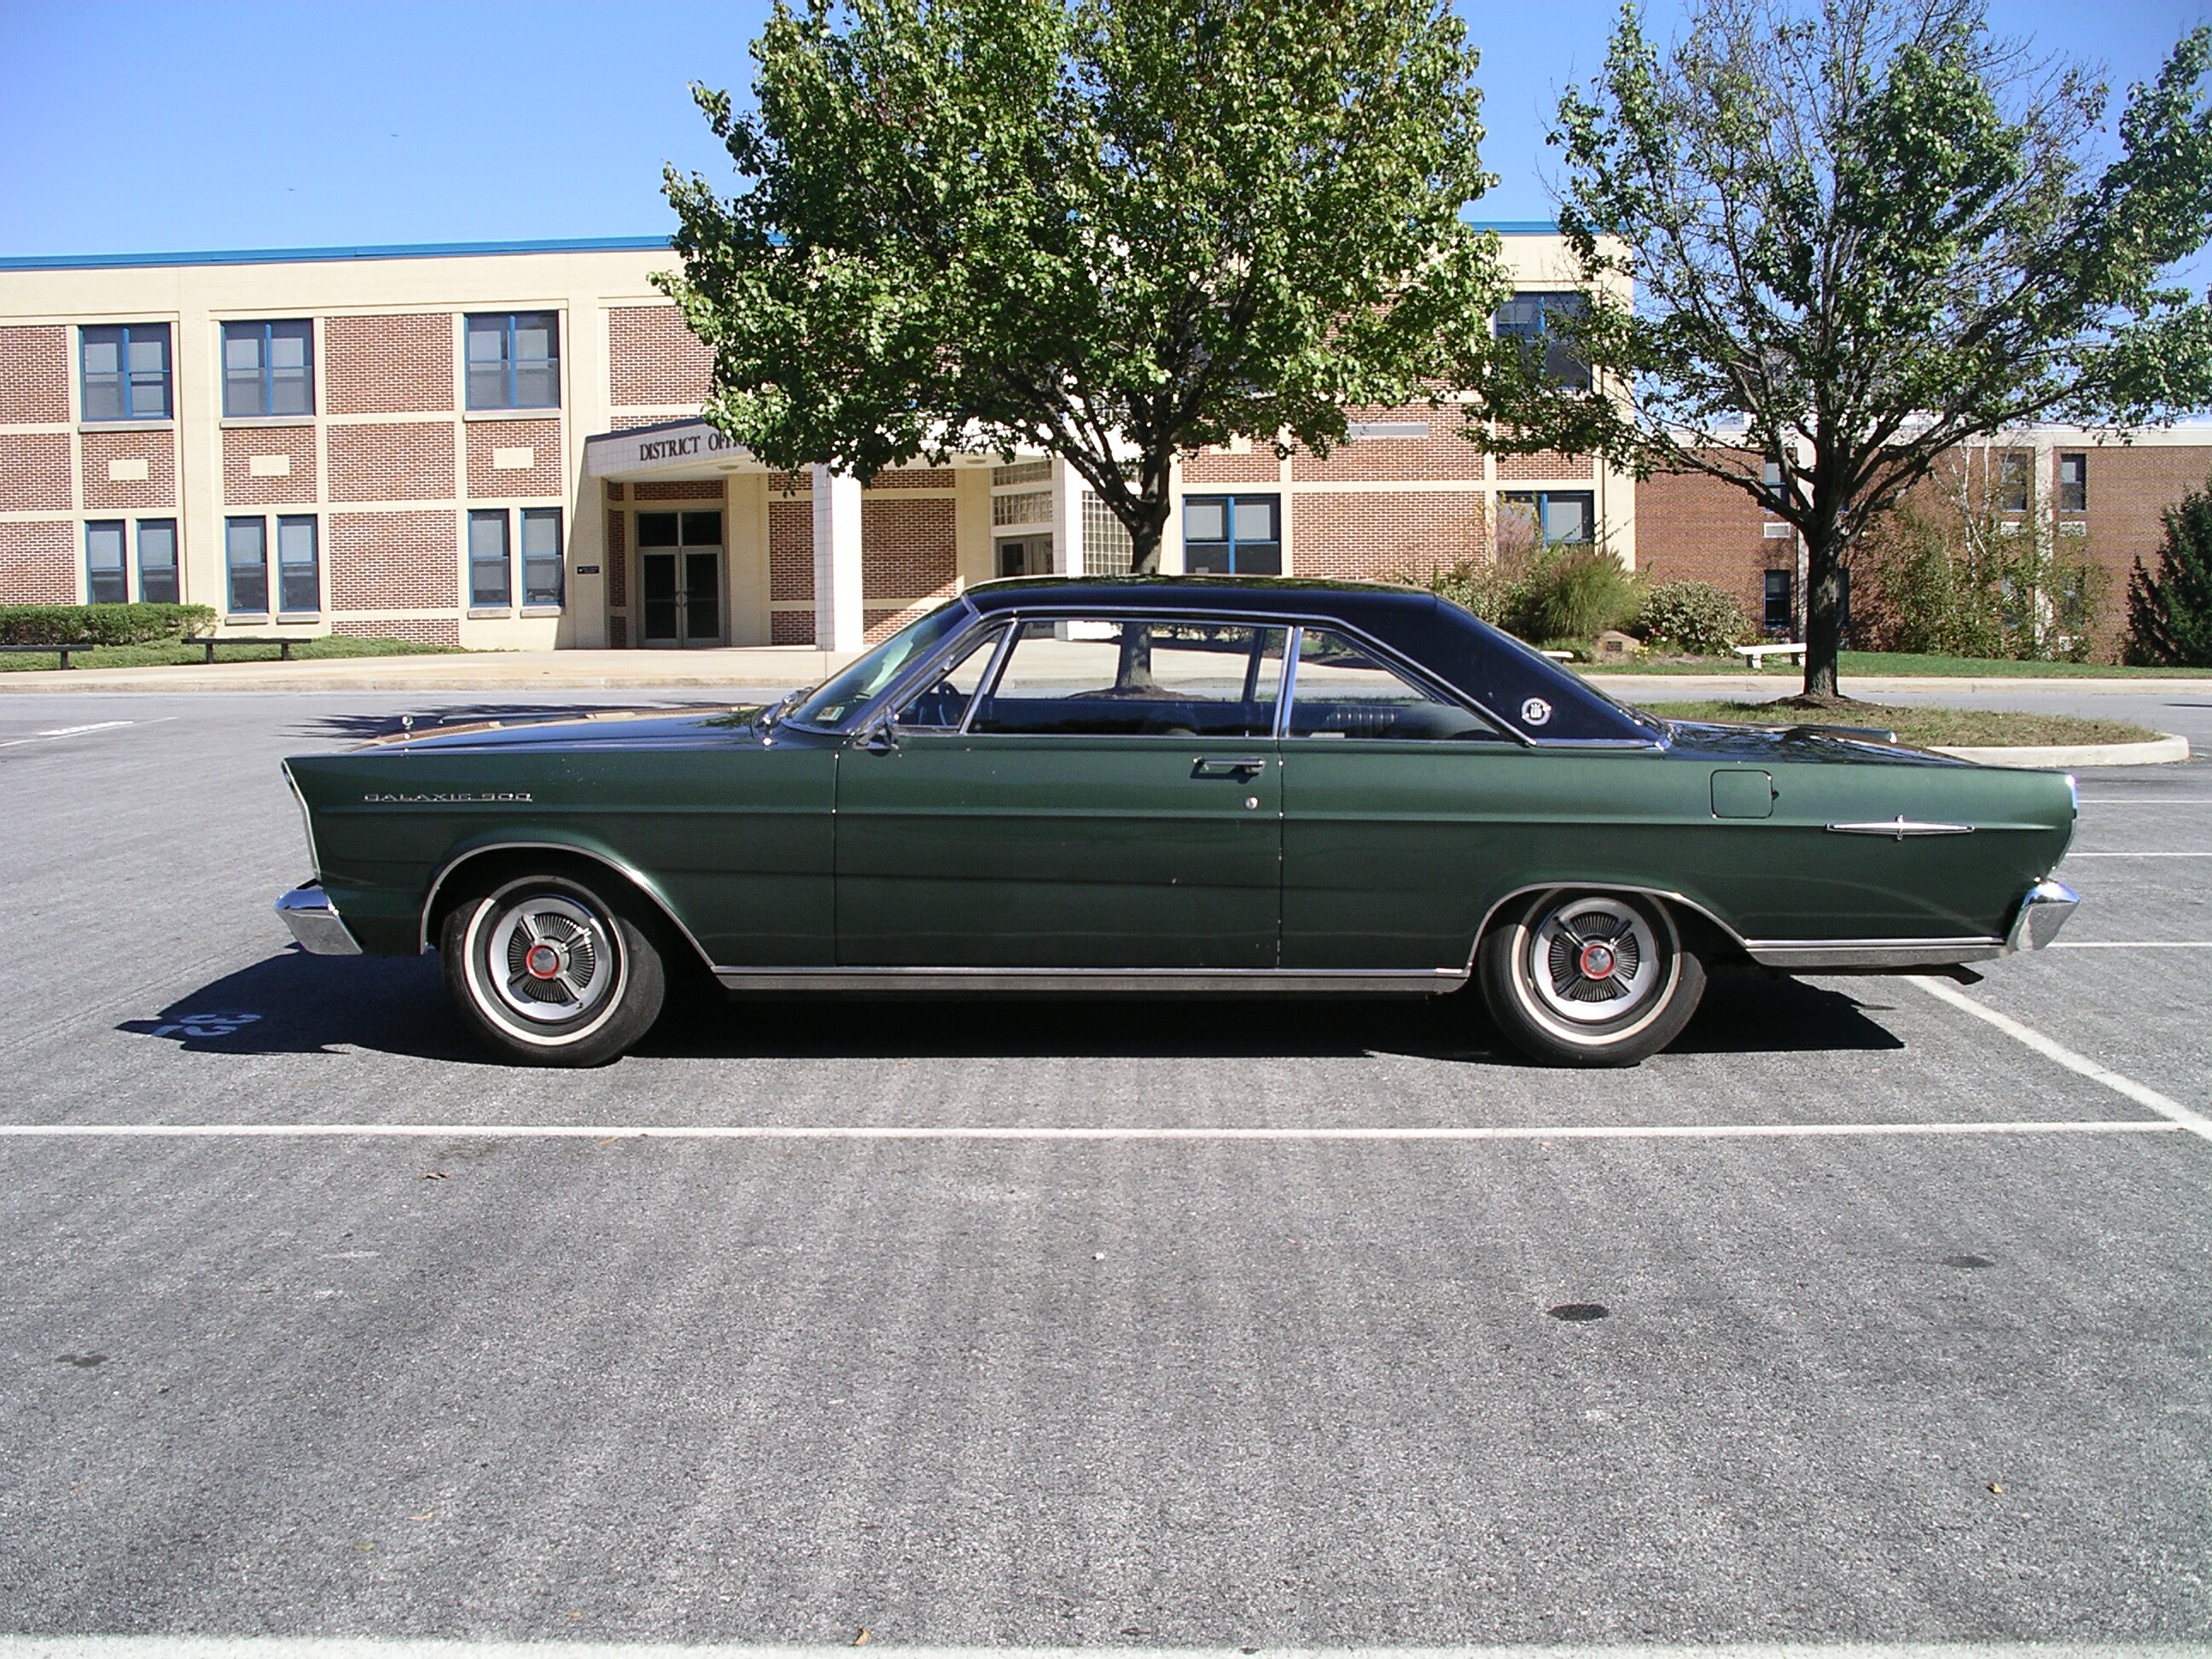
pixel 1533 319
pixel 1554 517
pixel 299 568
pixel 157 562
pixel 541 556
pixel 515 360
pixel 106 576
pixel 246 557
pixel 1233 535
pixel 124 372
pixel 491 571
pixel 268 369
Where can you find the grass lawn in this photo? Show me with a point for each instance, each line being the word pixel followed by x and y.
pixel 1970 728
pixel 1902 665
pixel 164 653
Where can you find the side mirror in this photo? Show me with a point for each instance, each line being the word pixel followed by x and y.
pixel 882 738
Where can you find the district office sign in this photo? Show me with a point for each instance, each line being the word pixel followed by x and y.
pixel 675 445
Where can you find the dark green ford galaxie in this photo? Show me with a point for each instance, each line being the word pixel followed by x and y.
pixel 1170 785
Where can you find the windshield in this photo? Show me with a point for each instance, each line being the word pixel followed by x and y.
pixel 833 703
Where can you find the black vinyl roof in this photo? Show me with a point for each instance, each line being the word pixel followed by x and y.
pixel 1531 693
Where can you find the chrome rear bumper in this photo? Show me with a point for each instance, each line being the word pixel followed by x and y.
pixel 2042 913
pixel 314 921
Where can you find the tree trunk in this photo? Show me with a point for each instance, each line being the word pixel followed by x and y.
pixel 1144 543
pixel 1824 606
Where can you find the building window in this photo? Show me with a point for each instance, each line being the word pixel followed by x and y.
pixel 1547 518
pixel 299 571
pixel 490 576
pixel 1781 614
pixel 245 554
pixel 2072 483
pixel 126 372
pixel 106 579
pixel 1536 320
pixel 1024 555
pixel 515 360
pixel 2012 481
pixel 268 369
pixel 541 556
pixel 1107 549
pixel 1232 535
pixel 157 562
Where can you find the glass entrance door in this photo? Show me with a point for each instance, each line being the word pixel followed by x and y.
pixel 680 560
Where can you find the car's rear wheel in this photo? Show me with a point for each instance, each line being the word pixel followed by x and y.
pixel 550 971
pixel 1584 977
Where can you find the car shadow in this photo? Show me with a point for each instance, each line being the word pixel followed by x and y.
pixel 295 1002
pixel 362 727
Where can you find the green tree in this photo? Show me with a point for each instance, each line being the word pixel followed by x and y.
pixel 2170 614
pixel 1862 232
pixel 1111 229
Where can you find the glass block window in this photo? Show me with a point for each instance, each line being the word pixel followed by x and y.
pixel 541 555
pixel 106 578
pixel 1021 472
pixel 491 579
pixel 126 372
pixel 245 557
pixel 515 360
pixel 1034 507
pixel 157 562
pixel 1232 535
pixel 268 369
pixel 1107 549
pixel 1535 320
pixel 299 568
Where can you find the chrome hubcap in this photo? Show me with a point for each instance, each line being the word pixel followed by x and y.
pixel 548 959
pixel 1593 961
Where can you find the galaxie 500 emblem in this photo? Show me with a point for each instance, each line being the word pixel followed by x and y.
pixel 443 797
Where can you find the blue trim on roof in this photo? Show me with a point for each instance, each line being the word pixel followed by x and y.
pixel 1517 227
pixel 297 256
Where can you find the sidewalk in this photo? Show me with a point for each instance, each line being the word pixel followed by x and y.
pixel 753 669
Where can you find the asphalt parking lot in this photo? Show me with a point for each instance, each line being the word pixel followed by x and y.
pixel 1917 1353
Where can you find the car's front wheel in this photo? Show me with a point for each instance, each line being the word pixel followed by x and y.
pixel 1589 978
pixel 549 971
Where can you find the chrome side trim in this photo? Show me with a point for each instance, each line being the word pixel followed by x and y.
pixel 1805 956
pixel 1425 982
pixel 2041 914
pixel 315 922
pixel 629 873
pixel 1899 827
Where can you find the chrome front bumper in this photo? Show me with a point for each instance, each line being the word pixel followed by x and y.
pixel 2042 913
pixel 314 921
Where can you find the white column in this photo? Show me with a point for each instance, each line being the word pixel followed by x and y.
pixel 839 620
pixel 1067 519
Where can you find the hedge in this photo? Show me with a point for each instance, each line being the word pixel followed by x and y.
pixel 103 624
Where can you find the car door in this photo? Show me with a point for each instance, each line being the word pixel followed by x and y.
pixel 1104 795
pixel 1398 804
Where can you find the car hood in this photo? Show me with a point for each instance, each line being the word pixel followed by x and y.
pixel 1741 745
pixel 602 728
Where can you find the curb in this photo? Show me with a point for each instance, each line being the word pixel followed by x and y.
pixel 2161 750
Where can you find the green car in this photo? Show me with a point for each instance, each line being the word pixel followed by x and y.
pixel 1168 785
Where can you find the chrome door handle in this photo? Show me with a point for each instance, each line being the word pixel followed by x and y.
pixel 1245 767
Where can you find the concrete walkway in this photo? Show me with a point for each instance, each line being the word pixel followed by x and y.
pixel 758 668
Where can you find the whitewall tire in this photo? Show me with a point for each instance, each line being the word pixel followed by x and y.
pixel 1587 977
pixel 550 972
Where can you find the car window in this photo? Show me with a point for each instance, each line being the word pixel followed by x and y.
pixel 1344 690
pixel 837 700
pixel 1155 677
pixel 942 703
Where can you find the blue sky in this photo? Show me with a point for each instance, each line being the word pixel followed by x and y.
pixel 127 128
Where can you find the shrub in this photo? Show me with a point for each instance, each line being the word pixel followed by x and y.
pixel 2170 614
pixel 1962 588
pixel 103 624
pixel 1697 617
pixel 1484 589
pixel 1575 592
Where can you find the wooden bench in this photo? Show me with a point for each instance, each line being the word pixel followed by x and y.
pixel 61 651
pixel 284 645
pixel 1758 655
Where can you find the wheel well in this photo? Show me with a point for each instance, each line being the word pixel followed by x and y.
pixel 1714 944
pixel 476 873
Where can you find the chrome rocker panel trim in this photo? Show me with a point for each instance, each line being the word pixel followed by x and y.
pixel 1807 956
pixel 1389 981
pixel 2042 913
pixel 1899 827
pixel 315 922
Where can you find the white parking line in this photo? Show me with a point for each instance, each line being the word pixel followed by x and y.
pixel 355 1647
pixel 2170 800
pixel 2130 944
pixel 1060 1132
pixel 2071 857
pixel 65 732
pixel 2182 1116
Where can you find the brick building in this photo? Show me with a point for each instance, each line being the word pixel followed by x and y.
pixel 498 446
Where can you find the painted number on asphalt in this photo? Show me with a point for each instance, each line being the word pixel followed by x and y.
pixel 206 1025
